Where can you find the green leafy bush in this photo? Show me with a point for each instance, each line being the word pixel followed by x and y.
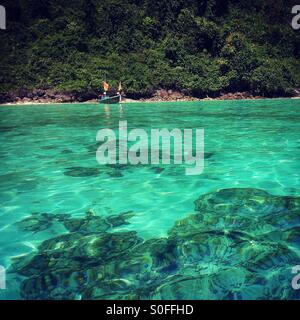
pixel 199 47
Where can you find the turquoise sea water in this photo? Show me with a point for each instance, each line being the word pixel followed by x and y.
pixel 144 237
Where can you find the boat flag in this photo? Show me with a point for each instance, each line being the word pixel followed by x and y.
pixel 120 87
pixel 105 86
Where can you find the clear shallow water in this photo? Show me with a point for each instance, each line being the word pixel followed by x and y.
pixel 48 165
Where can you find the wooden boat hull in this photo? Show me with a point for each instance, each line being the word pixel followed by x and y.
pixel 110 100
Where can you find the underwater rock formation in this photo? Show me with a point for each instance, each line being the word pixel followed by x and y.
pixel 81 172
pixel 95 224
pixel 91 223
pixel 244 201
pixel 66 151
pixel 115 174
pixel 39 221
pixel 240 244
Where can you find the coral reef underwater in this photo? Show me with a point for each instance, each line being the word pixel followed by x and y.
pixel 239 244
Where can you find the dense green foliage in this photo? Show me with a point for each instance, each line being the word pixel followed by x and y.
pixel 201 47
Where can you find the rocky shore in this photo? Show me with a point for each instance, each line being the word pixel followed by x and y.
pixel 46 96
pixel 51 96
pixel 170 95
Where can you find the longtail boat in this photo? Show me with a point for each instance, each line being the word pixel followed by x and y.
pixel 110 99
pixel 107 99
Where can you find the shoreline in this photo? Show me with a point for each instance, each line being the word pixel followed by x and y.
pixel 161 95
pixel 151 100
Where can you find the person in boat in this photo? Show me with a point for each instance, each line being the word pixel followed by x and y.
pixel 106 88
pixel 110 92
pixel 119 92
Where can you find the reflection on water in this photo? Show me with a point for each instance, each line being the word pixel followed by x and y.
pixel 107 109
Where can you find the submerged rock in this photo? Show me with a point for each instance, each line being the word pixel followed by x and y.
pixel 253 202
pixel 208 155
pixel 66 151
pixel 90 223
pixel 8 128
pixel 94 224
pixel 157 170
pixel 81 172
pixel 115 174
pixel 39 221
pixel 240 244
